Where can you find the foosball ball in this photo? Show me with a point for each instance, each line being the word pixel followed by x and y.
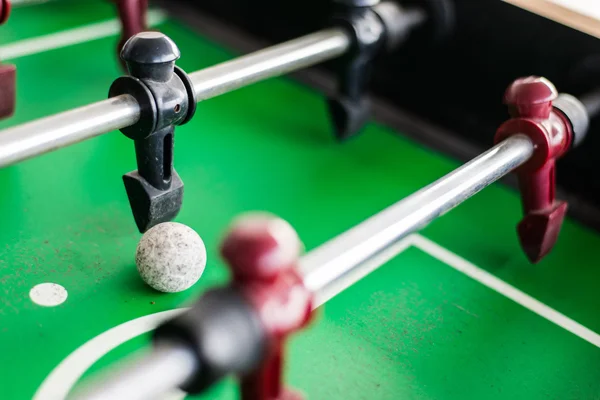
pixel 238 208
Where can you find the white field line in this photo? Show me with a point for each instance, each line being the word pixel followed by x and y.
pixel 70 37
pixel 505 289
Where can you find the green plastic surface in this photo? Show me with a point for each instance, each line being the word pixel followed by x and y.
pixel 414 329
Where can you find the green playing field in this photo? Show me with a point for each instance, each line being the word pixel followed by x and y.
pixel 459 314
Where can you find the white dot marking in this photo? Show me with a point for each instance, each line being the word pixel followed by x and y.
pixel 48 294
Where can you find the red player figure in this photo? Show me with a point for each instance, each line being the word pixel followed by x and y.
pixel 530 105
pixel 7 73
pixel 132 14
pixel 262 252
pixel 5 7
pixel 7 90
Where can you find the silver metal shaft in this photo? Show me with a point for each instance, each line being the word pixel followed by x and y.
pixel 326 267
pixel 272 61
pixel 51 133
pixel 149 377
pixel 21 3
pixel 591 102
pixel 342 261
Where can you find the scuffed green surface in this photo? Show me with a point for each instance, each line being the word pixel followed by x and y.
pixel 415 329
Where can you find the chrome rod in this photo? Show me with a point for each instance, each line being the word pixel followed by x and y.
pixel 327 266
pixel 51 133
pixel 591 102
pixel 272 61
pixel 21 3
pixel 164 369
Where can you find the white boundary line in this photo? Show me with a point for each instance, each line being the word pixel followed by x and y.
pixel 508 291
pixel 71 37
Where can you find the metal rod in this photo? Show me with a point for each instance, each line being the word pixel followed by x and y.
pixel 164 369
pixel 342 261
pixel 51 133
pixel 272 61
pixel 21 3
pixel 329 265
pixel 591 102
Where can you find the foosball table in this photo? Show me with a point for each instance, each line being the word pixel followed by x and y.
pixel 354 199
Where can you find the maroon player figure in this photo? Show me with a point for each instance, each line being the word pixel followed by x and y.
pixel 262 252
pixel 530 105
pixel 7 73
pixel 5 7
pixel 132 14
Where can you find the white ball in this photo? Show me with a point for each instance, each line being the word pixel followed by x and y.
pixel 170 257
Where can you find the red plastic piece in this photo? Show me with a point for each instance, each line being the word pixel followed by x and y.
pixel 262 252
pixel 7 90
pixel 5 7
pixel 132 14
pixel 530 104
pixel 7 72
